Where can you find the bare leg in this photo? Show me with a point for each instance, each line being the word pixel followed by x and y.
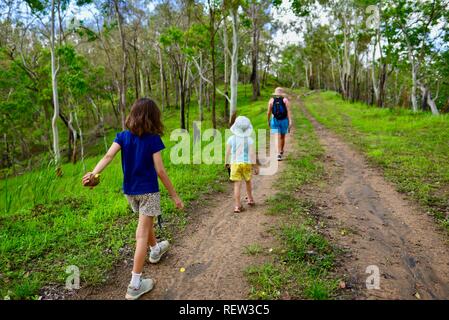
pixel 237 185
pixel 278 138
pixel 281 143
pixel 142 236
pixel 249 191
pixel 151 236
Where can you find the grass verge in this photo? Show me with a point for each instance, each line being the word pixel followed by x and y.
pixel 49 223
pixel 303 264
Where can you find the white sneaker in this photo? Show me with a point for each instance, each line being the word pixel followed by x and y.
pixel 132 293
pixel 163 248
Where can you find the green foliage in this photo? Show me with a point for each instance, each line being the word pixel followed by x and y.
pixel 49 223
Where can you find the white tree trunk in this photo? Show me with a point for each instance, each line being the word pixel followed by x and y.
pixel 414 86
pixel 430 102
pixel 306 69
pixel 74 134
pixel 123 84
pixel 100 115
pixel 54 84
pixel 373 73
pixel 226 54
pixel 413 63
pixel 161 74
pixel 200 93
pixel 143 91
pixel 81 140
pixel 234 61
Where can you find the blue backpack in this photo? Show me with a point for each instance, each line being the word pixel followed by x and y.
pixel 279 109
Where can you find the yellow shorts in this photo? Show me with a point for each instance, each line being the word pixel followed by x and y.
pixel 241 171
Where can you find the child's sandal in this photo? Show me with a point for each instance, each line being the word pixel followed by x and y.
pixel 238 209
pixel 251 203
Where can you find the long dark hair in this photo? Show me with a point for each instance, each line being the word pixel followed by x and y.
pixel 145 117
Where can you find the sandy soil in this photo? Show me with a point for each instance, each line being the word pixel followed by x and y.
pixel 377 226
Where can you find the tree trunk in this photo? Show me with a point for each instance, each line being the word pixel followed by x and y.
pixel 123 84
pixel 212 52
pixel 162 78
pixel 225 57
pixel 54 84
pixel 382 82
pixel 427 99
pixel 143 90
pixel 137 74
pixel 81 140
pixel 182 118
pixel 333 75
pixel 354 74
pixel 72 137
pixel 200 93
pixel 234 62
pixel 182 76
pixel 255 53
pixel 306 68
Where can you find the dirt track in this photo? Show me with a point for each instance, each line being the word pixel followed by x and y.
pixel 362 212
pixel 378 226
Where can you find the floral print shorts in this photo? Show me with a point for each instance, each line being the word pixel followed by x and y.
pixel 148 204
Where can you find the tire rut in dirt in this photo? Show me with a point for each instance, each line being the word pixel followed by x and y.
pixel 381 228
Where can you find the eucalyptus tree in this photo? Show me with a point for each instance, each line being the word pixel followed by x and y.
pixel 54 9
pixel 232 6
pixel 409 26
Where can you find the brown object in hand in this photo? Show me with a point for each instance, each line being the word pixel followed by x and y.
pixel 92 180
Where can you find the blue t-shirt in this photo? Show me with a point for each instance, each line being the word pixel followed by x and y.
pixel 139 174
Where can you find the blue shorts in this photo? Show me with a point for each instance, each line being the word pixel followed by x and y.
pixel 279 126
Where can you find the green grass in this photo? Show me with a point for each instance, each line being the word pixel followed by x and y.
pixel 48 223
pixel 253 249
pixel 411 148
pixel 303 264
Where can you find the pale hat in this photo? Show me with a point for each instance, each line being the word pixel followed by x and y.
pixel 279 92
pixel 242 127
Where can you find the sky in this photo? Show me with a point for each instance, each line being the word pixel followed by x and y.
pixel 285 15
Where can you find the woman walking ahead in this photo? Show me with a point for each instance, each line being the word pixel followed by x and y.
pixel 280 118
pixel 142 164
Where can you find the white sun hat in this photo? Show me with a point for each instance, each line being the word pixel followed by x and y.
pixel 242 127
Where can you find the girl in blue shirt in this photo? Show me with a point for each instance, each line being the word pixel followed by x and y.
pixel 142 164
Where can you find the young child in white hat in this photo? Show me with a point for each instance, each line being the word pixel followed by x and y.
pixel 241 158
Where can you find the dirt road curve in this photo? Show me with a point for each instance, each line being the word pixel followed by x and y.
pixel 377 226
